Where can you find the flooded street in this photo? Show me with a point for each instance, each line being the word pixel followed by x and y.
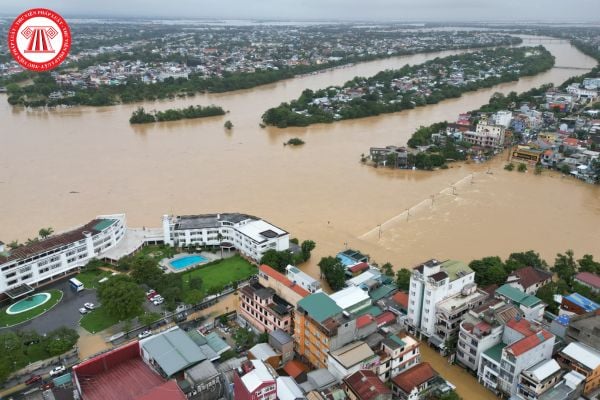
pixel 61 168
pixel 466 384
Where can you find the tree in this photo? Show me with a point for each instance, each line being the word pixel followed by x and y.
pixel 333 271
pixel 278 260
pixel 244 338
pixel 509 166
pixel 45 232
pixel 587 264
pixel 489 271
pixel 61 340
pixel 565 169
pixel 228 125
pixel 565 266
pixel 14 245
pixel 522 167
pixel 307 246
pixel 122 298
pixel 195 282
pixel 524 259
pixel 387 269
pixel 403 279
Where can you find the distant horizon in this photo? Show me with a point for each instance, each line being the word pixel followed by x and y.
pixel 596 23
pixel 390 11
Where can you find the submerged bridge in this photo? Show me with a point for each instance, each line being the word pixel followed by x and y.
pixel 567 67
pixel 542 40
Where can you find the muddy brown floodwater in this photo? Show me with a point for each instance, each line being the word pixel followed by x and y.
pixel 61 168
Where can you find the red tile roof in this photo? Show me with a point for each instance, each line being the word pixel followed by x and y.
pixel 402 299
pixel 295 368
pixel 524 327
pixel 529 343
pixel 364 320
pixel 386 318
pixel 414 377
pixel 529 276
pixel 362 266
pixel 571 141
pixel 589 279
pixel 278 276
pixel 366 385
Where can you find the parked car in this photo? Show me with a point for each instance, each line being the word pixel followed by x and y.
pixel 144 334
pixel 57 370
pixel 83 310
pixel 152 296
pixel 33 379
pixel 89 306
pixel 150 292
pixel 158 301
pixel 47 385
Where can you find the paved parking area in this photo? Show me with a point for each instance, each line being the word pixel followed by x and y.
pixel 65 313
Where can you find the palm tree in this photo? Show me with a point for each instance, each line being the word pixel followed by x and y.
pixel 45 232
pixel 14 245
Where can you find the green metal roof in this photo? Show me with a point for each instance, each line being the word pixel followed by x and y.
pixel 105 223
pixel 375 311
pixel 455 269
pixel 396 339
pixel 495 352
pixel 517 296
pixel 383 291
pixel 319 306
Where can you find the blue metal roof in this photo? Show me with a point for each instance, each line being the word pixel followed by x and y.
pixel 583 302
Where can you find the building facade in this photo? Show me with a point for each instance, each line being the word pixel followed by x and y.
pixel 301 278
pixel 486 135
pixel 584 360
pixel 255 380
pixel 58 255
pixel 264 310
pixel 430 283
pixel 251 236
pixel 397 354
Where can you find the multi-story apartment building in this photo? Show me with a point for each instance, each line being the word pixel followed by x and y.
pixel 263 309
pixel 251 236
pixel 320 326
pixel 482 329
pixel 450 312
pixel 430 283
pixel 582 359
pixel 397 353
pixel 524 344
pixel 283 287
pixel 58 255
pixel 537 380
pixel 255 380
pixel 486 135
pixel 532 307
pixel 301 278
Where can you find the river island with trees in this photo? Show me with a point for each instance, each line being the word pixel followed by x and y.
pixel 411 86
pixel 141 116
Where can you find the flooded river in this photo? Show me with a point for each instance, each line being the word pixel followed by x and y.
pixel 61 168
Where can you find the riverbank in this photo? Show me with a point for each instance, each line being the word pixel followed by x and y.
pixel 140 116
pixel 391 91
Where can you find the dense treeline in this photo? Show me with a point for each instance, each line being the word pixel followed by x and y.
pixel 134 90
pixel 140 116
pixel 385 100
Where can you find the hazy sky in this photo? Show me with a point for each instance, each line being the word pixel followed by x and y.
pixel 456 10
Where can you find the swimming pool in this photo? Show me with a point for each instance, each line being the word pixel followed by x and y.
pixel 187 261
pixel 28 303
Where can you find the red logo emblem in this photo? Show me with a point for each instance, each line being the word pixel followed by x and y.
pixel 39 39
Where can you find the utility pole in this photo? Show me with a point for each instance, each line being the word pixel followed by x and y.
pixel 379 231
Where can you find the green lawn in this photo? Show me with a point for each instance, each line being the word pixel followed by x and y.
pixel 157 252
pixel 90 278
pixel 10 320
pixel 221 273
pixel 97 320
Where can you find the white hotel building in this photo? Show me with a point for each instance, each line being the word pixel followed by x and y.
pixel 430 283
pixel 251 236
pixel 58 255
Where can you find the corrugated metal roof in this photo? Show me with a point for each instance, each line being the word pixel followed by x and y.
pixel 173 351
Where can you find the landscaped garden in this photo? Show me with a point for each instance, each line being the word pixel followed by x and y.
pixel 217 274
pixel 91 278
pixel 7 320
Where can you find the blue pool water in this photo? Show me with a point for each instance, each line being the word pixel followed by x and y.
pixel 28 303
pixel 185 262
